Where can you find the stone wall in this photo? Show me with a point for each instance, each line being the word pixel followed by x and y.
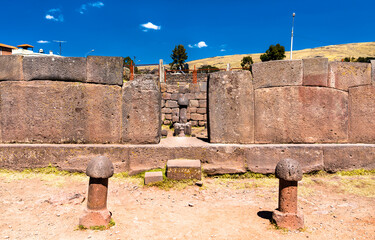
pixel 75 100
pixel 294 101
pixel 197 95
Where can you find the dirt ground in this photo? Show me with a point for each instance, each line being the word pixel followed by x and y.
pixel 48 206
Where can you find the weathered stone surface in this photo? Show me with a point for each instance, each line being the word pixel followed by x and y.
pixel 196 116
pixel 100 167
pixel 194 103
pixel 183 115
pixel 349 157
pixel 343 75
pixel 171 104
pixel 298 114
pixel 277 73
pixel 231 107
pixel 59 112
pixel 315 72
pixel 201 110
pixel 200 95
pixel 153 177
pixel 11 68
pixel 174 96
pixel 215 158
pixel 362 114
pixel 105 70
pixel 164 132
pixel 172 88
pixel 202 103
pixel 373 72
pixel 55 68
pixel 179 169
pixel 167 96
pixel 183 101
pixel 290 221
pixel 93 218
pixel 288 169
pixel 264 158
pixel 166 110
pixel 141 111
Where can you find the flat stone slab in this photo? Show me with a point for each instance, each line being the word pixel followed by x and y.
pixel 179 169
pixel 215 158
pixel 152 177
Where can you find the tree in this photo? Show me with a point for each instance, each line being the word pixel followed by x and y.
pixel 273 53
pixel 179 57
pixel 127 61
pixel 207 69
pixel 246 62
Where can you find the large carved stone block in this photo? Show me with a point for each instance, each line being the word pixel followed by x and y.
pixel 11 68
pixel 105 70
pixel 231 107
pixel 315 72
pixel 301 115
pixel 54 68
pixel 141 110
pixel 343 75
pixel 277 73
pixel 348 157
pixel 362 114
pixel 59 112
pixel 264 158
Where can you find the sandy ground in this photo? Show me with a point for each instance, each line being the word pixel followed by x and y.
pixel 48 206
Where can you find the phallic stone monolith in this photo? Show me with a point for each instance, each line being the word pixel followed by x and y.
pixel 99 170
pixel 287 215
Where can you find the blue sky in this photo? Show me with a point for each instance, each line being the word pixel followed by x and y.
pixel 149 30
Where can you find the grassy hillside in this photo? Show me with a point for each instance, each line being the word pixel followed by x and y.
pixel 332 52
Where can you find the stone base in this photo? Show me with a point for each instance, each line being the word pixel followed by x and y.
pixel 180 169
pixel 92 218
pixel 182 129
pixel 152 177
pixel 290 221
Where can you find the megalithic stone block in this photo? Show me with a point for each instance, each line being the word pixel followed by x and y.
pixel 277 73
pixel 54 68
pixel 230 107
pixel 179 169
pixel 105 70
pixel 344 75
pixel 315 72
pixel 11 68
pixel 141 110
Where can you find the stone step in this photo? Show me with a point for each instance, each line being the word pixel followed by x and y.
pixel 179 169
pixel 152 177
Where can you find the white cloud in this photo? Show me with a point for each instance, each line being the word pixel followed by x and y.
pixel 201 44
pixel 222 50
pixel 150 25
pixel 84 6
pixel 97 4
pixel 54 14
pixel 42 41
pixel 50 17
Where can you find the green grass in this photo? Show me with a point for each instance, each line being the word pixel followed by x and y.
pixel 245 175
pixel 97 228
